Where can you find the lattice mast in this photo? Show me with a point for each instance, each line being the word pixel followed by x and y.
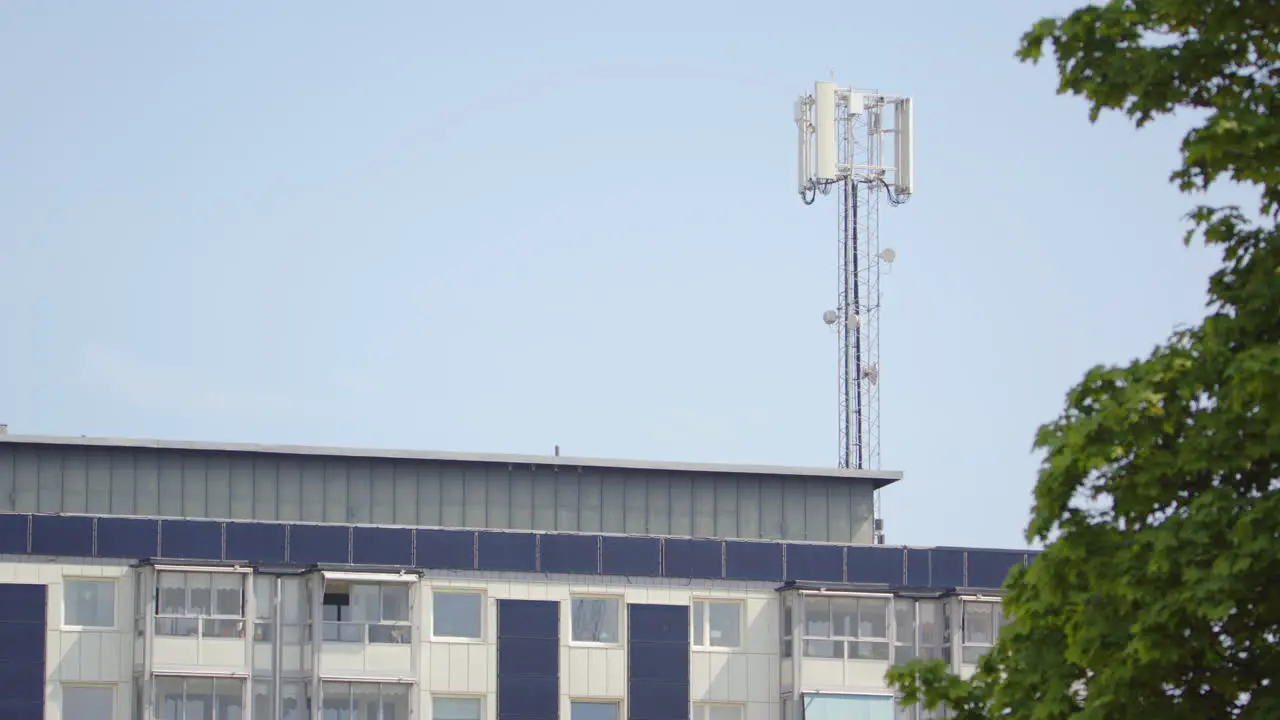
pixel 842 146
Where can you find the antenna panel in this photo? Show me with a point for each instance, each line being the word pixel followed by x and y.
pixel 904 147
pixel 824 129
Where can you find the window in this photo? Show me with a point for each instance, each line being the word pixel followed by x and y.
pixel 264 598
pixel 593 710
pixel 364 701
pixel 904 630
pixel 200 603
pixel 717 623
pixel 89 603
pixel 88 702
pixel 457 615
pixel 292 704
pixel 366 612
pixel 199 698
pixel 707 711
pixel 595 619
pixel 455 708
pixel 982 622
pixel 934 617
pixel 856 628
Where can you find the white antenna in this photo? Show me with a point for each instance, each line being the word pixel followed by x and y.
pixel 842 144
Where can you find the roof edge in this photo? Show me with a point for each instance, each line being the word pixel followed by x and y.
pixel 880 477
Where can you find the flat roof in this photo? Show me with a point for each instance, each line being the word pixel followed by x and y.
pixel 882 477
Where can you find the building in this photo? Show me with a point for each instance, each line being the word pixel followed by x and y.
pixel 197 581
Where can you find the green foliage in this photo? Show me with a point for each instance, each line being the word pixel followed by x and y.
pixel 1158 595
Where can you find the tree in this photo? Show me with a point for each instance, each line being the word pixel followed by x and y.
pixel 1158 592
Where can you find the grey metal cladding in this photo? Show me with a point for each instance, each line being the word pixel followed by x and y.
pixel 239 485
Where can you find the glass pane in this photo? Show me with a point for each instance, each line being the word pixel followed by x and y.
pixel 336 703
pixel 863 650
pixel 89 603
pixel 844 617
pixel 292 605
pixel 228 700
pixel 931 623
pixel 456 615
pixel 978 623
pixel 873 618
pixel 293 700
pixel 264 595
pixel 199 594
pixel 595 620
pixel 366 701
pixel 395 603
pixel 817 617
pixel 904 621
pixel 593 711
pixel 228 594
pixel 823 649
pixel 973 653
pixel 366 604
pixel 263 699
pixel 395 702
pixel 199 705
pixel 172 591
pixel 446 708
pixel 725 625
pixel 699 622
pixel 87 702
pixel 169 704
pixel 903 654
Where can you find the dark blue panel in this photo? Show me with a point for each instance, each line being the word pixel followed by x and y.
pixel 252 542
pixel 319 544
pixel 128 538
pixel 658 662
pixel 525 656
pixel 569 554
pixel 753 561
pixel 382 546
pixel 62 535
pixel 23 610
pixel 874 565
pixel 659 623
pixel 989 568
pixel 631 556
pixel 446 549
pixel 507 551
pixel 948 568
pixel 528 660
pixel 13 533
pixel 657 700
pixel 824 563
pixel 23 603
pixel 191 539
pixel 692 558
pixel 917 567
pixel 539 619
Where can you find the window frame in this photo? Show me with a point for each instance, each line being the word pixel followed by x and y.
pixel 457 696
pixel 483 620
pixel 998 621
pixel 202 622
pixel 109 687
pixel 115 598
pixel 620 628
pixel 242 680
pixel 380 684
pixel 739 707
pixel 617 702
pixel 701 637
pixel 400 630
pixel 845 641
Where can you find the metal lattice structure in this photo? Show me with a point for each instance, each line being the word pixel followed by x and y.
pixel 842 137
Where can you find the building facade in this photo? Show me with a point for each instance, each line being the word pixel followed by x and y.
pixel 190 581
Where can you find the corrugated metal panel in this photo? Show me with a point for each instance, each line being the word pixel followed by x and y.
pixel 206 484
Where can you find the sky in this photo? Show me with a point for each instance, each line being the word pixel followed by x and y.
pixel 505 226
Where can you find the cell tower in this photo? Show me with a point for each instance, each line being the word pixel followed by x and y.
pixel 842 145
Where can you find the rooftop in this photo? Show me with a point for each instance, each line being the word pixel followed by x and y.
pixel 881 477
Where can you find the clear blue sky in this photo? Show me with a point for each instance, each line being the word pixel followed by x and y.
pixel 501 226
